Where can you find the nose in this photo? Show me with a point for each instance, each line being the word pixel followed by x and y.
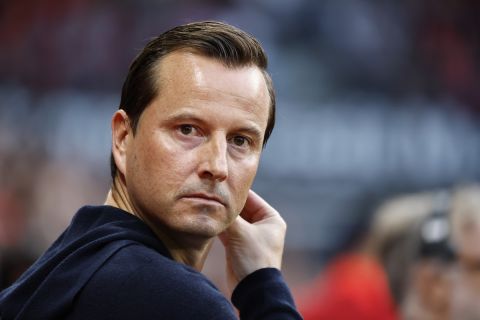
pixel 214 161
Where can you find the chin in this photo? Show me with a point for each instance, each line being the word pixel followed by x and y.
pixel 200 221
pixel 211 216
pixel 207 228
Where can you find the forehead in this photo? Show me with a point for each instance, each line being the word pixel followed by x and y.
pixel 186 73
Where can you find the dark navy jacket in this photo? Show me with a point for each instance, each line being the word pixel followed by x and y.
pixel 109 265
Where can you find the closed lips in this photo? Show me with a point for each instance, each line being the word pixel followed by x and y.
pixel 205 197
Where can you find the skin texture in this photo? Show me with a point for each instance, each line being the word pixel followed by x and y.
pixel 188 169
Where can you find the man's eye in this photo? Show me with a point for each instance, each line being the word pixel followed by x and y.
pixel 186 129
pixel 239 141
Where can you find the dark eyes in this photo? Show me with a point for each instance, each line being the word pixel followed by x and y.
pixel 239 141
pixel 186 129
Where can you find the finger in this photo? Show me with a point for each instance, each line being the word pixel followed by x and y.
pixel 256 208
pixel 237 225
pixel 223 238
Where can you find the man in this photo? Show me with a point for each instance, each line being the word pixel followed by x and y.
pixel 197 108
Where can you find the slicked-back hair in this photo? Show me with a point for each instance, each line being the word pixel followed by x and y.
pixel 220 41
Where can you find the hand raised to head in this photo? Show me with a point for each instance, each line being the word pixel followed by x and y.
pixel 254 240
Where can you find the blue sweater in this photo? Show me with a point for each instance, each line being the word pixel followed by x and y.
pixel 109 265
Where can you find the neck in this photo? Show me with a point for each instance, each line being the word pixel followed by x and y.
pixel 182 247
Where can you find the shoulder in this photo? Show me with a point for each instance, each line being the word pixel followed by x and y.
pixel 137 267
pixel 139 282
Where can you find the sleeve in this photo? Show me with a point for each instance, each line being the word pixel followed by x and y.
pixel 264 295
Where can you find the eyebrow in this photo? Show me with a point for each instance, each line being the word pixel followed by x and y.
pixel 250 129
pixel 185 116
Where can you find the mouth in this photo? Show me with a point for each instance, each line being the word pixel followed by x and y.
pixel 205 198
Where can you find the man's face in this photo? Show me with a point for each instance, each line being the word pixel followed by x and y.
pixel 196 150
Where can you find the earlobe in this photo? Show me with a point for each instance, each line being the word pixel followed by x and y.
pixel 121 132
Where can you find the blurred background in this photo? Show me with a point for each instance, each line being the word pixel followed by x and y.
pixel 375 99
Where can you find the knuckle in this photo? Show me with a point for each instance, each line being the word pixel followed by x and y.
pixel 282 225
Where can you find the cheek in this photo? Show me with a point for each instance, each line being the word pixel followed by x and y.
pixel 157 165
pixel 242 177
pixel 167 168
pixel 248 169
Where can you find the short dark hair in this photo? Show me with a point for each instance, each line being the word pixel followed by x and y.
pixel 218 40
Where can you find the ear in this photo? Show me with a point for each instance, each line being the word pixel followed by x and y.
pixel 121 135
